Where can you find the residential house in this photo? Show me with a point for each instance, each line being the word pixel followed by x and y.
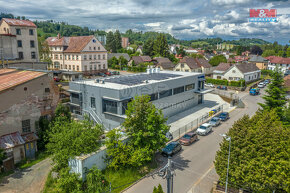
pixel 260 62
pixel 241 58
pixel 246 53
pixel 247 71
pixel 220 70
pixel 188 64
pixel 208 56
pixel 282 63
pixel 164 63
pixel 20 40
pixel 206 67
pixel 81 53
pixel 117 55
pixel 125 42
pixel 25 96
pixel 140 50
pixel 140 59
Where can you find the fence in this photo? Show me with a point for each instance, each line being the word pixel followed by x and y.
pixel 193 125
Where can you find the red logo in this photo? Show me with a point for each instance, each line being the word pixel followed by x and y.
pixel 262 13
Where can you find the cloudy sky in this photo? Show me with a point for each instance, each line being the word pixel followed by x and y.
pixel 185 19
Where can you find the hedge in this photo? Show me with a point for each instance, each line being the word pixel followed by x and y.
pixel 240 83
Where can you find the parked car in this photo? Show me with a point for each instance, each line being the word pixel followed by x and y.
pixel 209 85
pixel 204 129
pixel 171 148
pixel 261 85
pixel 267 81
pixel 102 74
pixel 188 138
pixel 215 121
pixel 169 136
pixel 115 73
pixel 222 87
pixel 254 91
pixel 56 79
pixel 224 116
pixel 108 73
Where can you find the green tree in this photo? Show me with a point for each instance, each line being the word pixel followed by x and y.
pixel 113 61
pixel 2 156
pixel 256 50
pixel 158 189
pixel 62 112
pixel 216 60
pixel 275 97
pixel 161 46
pixel 68 139
pixel 259 158
pixel 110 44
pixel 68 182
pixel 267 53
pixel 118 40
pixel 288 52
pixel 146 127
pixel 95 181
pixel 180 51
pixel 148 47
pixel 123 60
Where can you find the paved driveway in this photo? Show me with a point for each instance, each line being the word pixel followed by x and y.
pixel 30 180
pixel 195 170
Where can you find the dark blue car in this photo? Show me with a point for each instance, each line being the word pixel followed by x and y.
pixel 224 116
pixel 171 148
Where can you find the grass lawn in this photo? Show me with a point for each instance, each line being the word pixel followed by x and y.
pixel 50 184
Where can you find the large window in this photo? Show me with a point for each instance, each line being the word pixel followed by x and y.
pixel 178 90
pixel 125 105
pixel 31 32
pixel 26 126
pixel 93 102
pixel 33 56
pixel 110 106
pixel 165 93
pixel 18 31
pixel 19 43
pixel 20 55
pixel 189 87
pixel 32 45
pixel 75 98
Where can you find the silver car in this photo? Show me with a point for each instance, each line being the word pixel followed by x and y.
pixel 215 121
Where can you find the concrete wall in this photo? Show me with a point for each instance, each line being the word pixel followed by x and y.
pixel 8 47
pixel 29 65
pixel 18 153
pixel 18 104
pixel 80 164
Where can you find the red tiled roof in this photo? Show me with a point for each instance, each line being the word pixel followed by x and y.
pixel 146 58
pixel 278 60
pixel 18 22
pixel 74 44
pixel 11 77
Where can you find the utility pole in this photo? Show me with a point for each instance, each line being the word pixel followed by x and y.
pixel 167 172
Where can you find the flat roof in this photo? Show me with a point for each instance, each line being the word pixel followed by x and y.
pixel 12 77
pixel 133 80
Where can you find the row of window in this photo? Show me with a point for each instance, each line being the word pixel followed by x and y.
pixel 77 68
pixel 76 57
pixel 60 48
pixel 18 31
pixel 21 56
pixel 176 104
pixel 19 43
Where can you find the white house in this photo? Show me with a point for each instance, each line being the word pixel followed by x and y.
pixel 282 63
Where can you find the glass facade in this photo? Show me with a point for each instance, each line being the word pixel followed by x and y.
pixel 110 106
pixel 165 93
pixel 178 90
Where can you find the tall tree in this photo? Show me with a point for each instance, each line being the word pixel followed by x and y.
pixel 259 158
pixel 118 40
pixel 275 97
pixel 161 46
pixel 256 50
pixel 110 44
pixel 216 60
pixel 148 47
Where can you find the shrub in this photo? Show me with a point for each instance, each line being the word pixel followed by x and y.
pixel 217 81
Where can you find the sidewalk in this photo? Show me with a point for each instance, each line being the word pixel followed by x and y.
pixel 211 101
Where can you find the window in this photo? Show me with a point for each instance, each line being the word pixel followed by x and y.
pixel 104 56
pixel 56 56
pixel 85 57
pixel 90 48
pixel 99 66
pixel 32 44
pixel 18 31
pixel 95 67
pixel 19 43
pixel 95 57
pixel 165 93
pixel 104 66
pixel 153 96
pixel 69 67
pixel 77 57
pixel 25 88
pixel 20 55
pixel 178 90
pixel 60 56
pixel 69 57
pixel 47 90
pixel 26 126
pixel 99 57
pixel 65 66
pixel 93 102
pixel 65 57
pixel 31 32
pixel 182 65
pixel 99 48
pixel 94 48
pixel 110 106
pixel 186 70
pixel 33 56
pixel 73 67
pixel 91 67
pixel 78 68
pixel 86 68
pixel 90 57
pixel 189 87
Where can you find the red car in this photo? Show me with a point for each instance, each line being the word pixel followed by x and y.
pixel 188 138
pixel 108 73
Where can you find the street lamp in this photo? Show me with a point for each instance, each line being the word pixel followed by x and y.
pixel 228 138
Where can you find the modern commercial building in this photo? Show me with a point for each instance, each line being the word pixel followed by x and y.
pixel 18 40
pixel 82 53
pixel 105 100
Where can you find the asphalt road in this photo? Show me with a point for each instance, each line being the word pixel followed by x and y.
pixel 195 170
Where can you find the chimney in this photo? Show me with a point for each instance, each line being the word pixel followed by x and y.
pixel 58 36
